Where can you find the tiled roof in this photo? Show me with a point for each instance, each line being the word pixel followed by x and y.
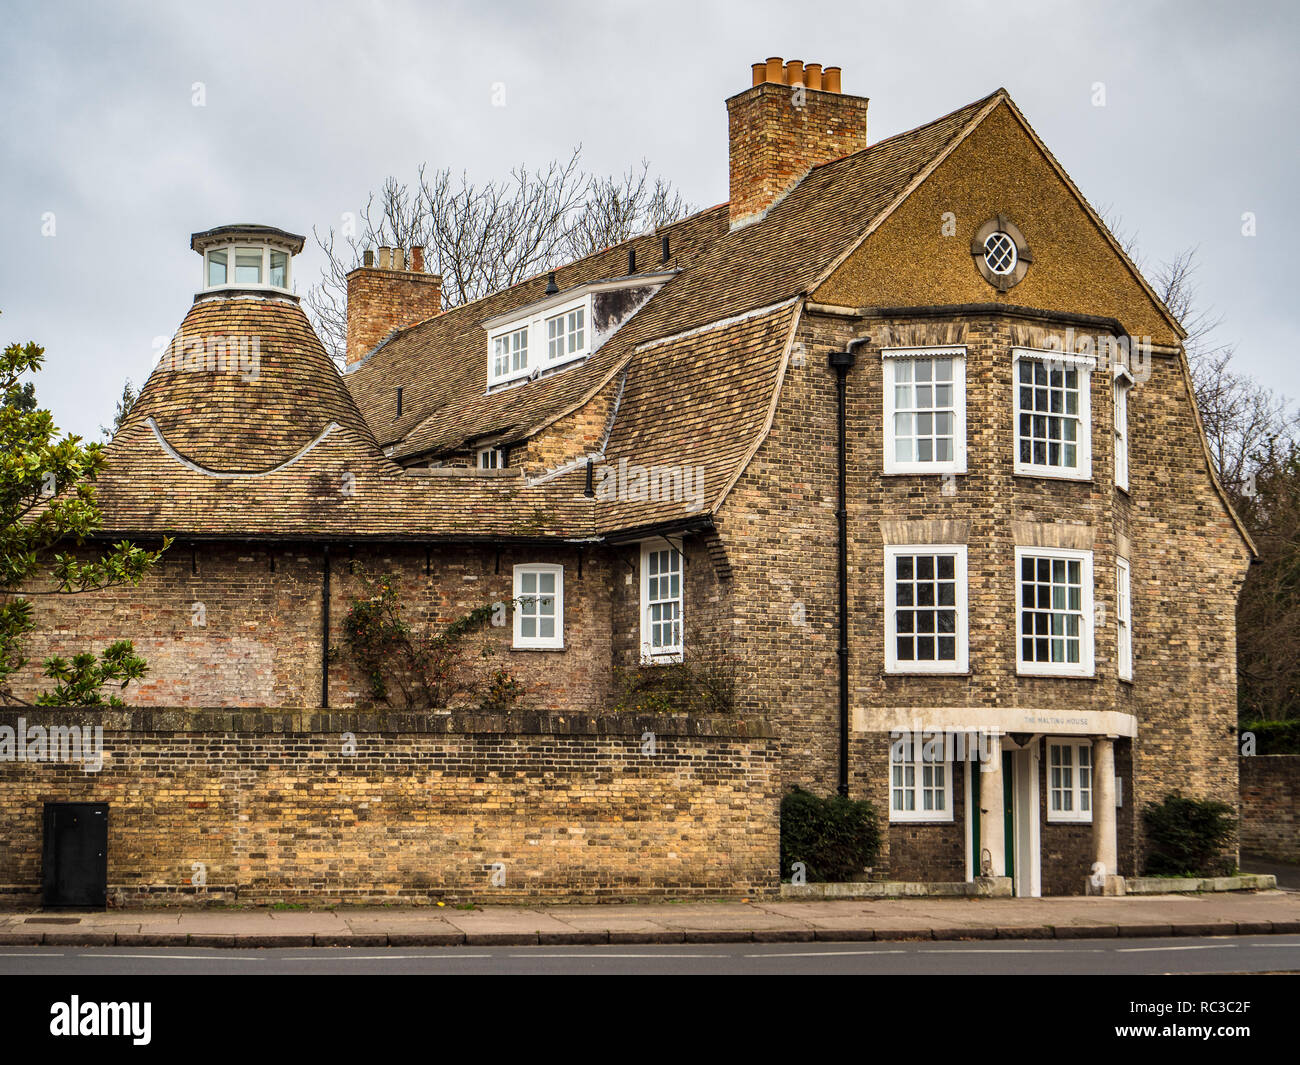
pixel 441 364
pixel 697 369
pixel 244 386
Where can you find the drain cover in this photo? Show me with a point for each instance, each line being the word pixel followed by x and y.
pixel 53 920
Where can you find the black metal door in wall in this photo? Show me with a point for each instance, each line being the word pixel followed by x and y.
pixel 75 871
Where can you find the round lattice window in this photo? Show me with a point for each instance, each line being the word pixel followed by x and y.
pixel 1000 253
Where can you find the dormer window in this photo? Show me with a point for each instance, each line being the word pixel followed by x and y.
pixel 566 334
pixel 247 257
pixel 510 354
pixel 548 337
pixel 563 327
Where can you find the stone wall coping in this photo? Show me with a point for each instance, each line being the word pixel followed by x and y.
pixel 453 723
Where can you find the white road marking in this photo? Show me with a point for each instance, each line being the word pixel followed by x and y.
pixel 821 953
pixel 169 957
pixel 32 954
pixel 1013 950
pixel 382 957
pixel 1155 950
pixel 602 955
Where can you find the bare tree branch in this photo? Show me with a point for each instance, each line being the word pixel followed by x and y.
pixel 483 238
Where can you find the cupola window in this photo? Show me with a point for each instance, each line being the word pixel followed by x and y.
pixel 247 257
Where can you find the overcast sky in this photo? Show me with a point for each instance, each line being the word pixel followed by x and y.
pixel 309 106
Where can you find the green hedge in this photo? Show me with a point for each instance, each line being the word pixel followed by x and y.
pixel 1187 837
pixel 836 838
pixel 1271 737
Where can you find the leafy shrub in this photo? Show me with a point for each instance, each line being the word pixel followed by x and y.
pixel 704 682
pixel 502 691
pixel 1187 837
pixel 836 838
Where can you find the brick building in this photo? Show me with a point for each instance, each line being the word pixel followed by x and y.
pixel 897 441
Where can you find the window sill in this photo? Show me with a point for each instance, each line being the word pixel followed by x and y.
pixel 1044 475
pixel 926 673
pixel 1069 821
pixel 928 471
pixel 526 648
pixel 1021 672
pixel 940 820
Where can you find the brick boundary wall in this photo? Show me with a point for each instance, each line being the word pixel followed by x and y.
pixel 572 806
pixel 1270 806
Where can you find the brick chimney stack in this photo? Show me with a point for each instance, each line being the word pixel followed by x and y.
pixel 792 118
pixel 392 295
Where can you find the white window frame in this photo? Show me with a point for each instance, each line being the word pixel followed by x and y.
pixel 1076 815
pixel 266 249
pixel 535 323
pixel 890 357
pixel 491 458
pixel 540 643
pixel 650 655
pixel 1085 364
pixel 892 663
pixel 511 373
pixel 917 762
pixel 1124 619
pixel 566 333
pixel 1123 384
pixel 1085 666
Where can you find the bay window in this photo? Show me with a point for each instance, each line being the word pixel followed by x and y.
pixel 925 410
pixel 1054 622
pixel 925 609
pixel 1053 414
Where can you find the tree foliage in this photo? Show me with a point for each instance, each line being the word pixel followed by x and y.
pixel 485 237
pixel 47 505
pixel 125 404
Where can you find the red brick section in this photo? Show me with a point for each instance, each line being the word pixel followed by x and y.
pixel 778 134
pixel 1270 806
pixel 282 806
pixel 380 301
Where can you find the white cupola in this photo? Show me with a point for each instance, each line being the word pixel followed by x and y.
pixel 247 258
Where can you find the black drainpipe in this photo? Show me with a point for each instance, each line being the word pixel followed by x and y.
pixel 325 632
pixel 841 362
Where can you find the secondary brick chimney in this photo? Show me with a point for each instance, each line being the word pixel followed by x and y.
pixel 791 119
pixel 392 295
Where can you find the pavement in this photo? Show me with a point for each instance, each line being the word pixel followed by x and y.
pixel 695 921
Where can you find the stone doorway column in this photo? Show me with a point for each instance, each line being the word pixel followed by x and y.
pixel 1104 878
pixel 992 812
